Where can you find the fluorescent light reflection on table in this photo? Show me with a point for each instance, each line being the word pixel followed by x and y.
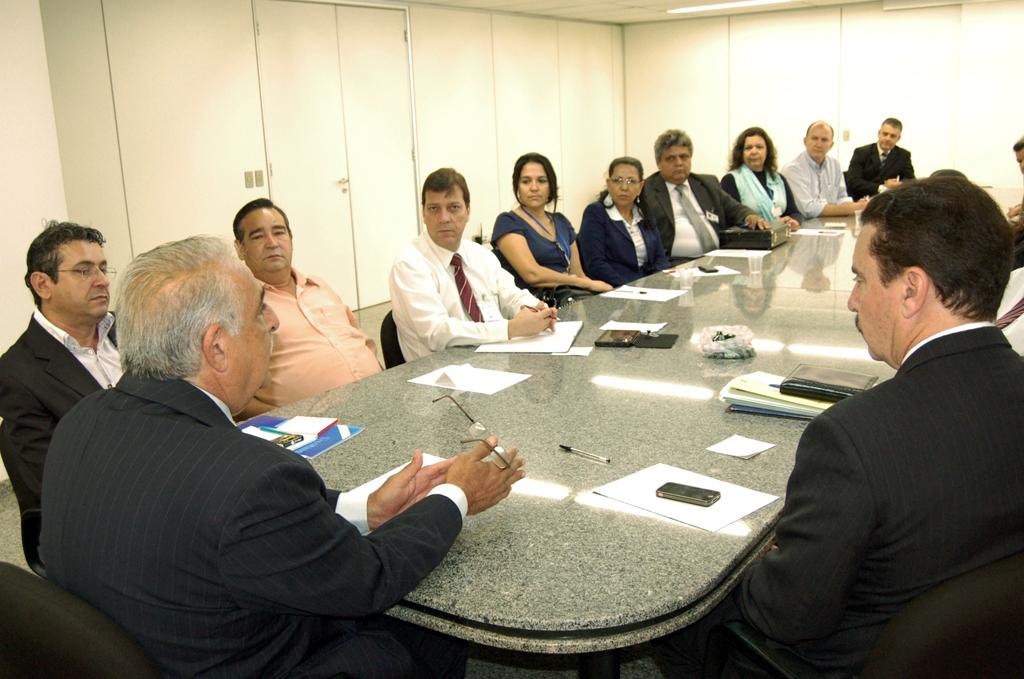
pixel 591 499
pixel 854 353
pixel 652 387
pixel 544 489
pixel 771 346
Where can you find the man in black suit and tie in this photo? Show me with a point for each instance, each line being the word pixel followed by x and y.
pixel 223 554
pixel 920 478
pixel 68 351
pixel 879 167
pixel 688 209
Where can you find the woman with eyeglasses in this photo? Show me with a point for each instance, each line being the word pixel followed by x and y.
pixel 539 247
pixel 616 244
pixel 754 180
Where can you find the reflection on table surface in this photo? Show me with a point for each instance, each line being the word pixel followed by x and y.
pixel 555 568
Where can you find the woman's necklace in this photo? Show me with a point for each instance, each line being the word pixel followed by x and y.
pixel 539 223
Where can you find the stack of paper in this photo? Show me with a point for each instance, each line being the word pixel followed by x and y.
pixel 758 392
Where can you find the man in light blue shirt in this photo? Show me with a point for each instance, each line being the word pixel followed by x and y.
pixel 817 179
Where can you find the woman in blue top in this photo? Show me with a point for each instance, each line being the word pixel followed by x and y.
pixel 539 247
pixel 754 178
pixel 616 244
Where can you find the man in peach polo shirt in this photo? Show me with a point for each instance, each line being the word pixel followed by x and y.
pixel 319 344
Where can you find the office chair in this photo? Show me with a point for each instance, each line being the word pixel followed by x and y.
pixel 969 626
pixel 49 632
pixel 31 526
pixel 389 345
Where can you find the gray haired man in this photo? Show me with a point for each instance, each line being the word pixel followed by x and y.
pixel 222 553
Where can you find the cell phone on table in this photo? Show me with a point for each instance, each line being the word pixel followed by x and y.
pixel 693 495
pixel 708 269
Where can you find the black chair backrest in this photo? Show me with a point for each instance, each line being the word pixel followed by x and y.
pixel 969 626
pixel 31 526
pixel 389 345
pixel 49 632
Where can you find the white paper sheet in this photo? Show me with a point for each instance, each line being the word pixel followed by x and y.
pixel 645 294
pixel 467 378
pixel 638 489
pixel 722 271
pixel 642 327
pixel 818 232
pixel 575 351
pixel 744 254
pixel 740 446
pixel 546 342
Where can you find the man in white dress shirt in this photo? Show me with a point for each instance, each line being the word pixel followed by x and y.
pixel 817 179
pixel 448 292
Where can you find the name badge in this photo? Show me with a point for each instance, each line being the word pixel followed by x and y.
pixel 490 311
pixel 711 216
pixel 776 210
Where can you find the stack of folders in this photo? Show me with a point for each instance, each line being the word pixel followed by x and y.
pixel 758 392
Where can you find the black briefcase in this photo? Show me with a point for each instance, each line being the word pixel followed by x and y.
pixel 739 238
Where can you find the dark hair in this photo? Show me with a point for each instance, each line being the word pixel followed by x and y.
pixel 623 160
pixel 670 138
pixel 893 122
pixel 771 161
pixel 819 122
pixel 1019 146
pixel 443 181
pixel 549 170
pixel 44 251
pixel 252 206
pixel 953 230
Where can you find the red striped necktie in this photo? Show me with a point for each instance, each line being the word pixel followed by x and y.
pixel 466 291
pixel 1011 315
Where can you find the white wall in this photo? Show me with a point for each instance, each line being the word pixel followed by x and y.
pixel 949 73
pixel 31 189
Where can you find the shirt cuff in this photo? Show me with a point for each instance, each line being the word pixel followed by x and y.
pixel 455 494
pixel 352 508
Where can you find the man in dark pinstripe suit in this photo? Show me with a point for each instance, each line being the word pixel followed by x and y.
pixel 916 480
pixel 224 555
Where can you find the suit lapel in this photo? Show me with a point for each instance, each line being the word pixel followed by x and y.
pixel 664 200
pixel 58 362
pixel 700 192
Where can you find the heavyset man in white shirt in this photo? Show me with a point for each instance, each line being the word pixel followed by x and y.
pixel 428 303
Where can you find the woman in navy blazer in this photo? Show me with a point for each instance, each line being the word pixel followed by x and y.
pixel 616 244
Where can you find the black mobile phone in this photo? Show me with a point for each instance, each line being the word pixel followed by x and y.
pixel 690 494
pixel 708 269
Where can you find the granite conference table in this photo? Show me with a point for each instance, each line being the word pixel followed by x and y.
pixel 555 568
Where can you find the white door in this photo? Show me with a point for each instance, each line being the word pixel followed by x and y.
pixel 338 119
pixel 303 122
pixel 186 97
pixel 378 123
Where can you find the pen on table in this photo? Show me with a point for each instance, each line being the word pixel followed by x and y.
pixel 584 454
pixel 271 430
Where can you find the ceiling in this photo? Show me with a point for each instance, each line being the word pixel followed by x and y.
pixel 617 11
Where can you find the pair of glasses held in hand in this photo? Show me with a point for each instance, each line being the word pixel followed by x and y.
pixel 476 435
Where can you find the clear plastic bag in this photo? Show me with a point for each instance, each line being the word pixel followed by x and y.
pixel 727 341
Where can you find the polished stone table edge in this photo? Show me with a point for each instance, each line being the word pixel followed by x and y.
pixel 584 640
